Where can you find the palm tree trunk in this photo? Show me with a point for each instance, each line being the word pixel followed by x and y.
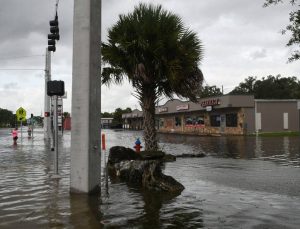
pixel 148 105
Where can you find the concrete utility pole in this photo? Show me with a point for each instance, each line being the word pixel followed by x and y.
pixel 86 92
pixel 47 104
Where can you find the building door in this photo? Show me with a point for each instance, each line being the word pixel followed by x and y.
pixel 285 121
pixel 257 122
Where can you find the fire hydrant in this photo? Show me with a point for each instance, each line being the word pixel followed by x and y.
pixel 138 145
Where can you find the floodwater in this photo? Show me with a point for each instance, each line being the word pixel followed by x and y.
pixel 244 182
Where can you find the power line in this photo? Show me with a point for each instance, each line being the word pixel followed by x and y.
pixel 19 57
pixel 22 69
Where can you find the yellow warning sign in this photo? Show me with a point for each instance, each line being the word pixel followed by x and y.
pixel 21 114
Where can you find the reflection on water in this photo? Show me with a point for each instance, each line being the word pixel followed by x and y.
pixel 247 182
pixel 282 150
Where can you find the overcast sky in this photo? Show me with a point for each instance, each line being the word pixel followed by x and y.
pixel 240 38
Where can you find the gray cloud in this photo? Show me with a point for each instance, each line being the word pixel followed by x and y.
pixel 9 86
pixel 261 53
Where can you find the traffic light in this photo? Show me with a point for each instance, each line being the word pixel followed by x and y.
pixel 54 34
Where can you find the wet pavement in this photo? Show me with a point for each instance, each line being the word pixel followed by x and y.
pixel 244 182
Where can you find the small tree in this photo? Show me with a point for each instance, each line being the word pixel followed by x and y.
pixel 293 27
pixel 209 91
pixel 246 87
pixel 152 49
pixel 66 115
pixel 107 115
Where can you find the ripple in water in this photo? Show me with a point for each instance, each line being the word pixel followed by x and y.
pixel 244 182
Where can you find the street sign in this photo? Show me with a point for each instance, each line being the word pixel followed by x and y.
pixel 21 114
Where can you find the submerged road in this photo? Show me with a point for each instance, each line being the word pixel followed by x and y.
pixel 255 175
pixel 242 183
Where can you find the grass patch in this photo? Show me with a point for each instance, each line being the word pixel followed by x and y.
pixel 278 134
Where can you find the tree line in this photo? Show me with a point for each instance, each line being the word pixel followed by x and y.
pixel 270 87
pixel 117 116
pixel 9 119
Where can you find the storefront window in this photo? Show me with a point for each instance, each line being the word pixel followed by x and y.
pixel 215 120
pixel 231 120
pixel 194 120
pixel 200 120
pixel 189 121
pixel 177 121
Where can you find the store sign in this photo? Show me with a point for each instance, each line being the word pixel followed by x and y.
pixel 211 102
pixel 182 107
pixel 162 109
pixel 208 108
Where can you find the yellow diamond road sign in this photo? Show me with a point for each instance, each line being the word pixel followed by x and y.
pixel 21 114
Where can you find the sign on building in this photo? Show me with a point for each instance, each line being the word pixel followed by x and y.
pixel 211 102
pixel 162 109
pixel 182 107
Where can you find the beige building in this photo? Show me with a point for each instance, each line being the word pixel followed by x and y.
pixel 228 114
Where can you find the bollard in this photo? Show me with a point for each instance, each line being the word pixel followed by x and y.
pixel 103 142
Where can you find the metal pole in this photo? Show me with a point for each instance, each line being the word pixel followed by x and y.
pixel 62 116
pixel 52 122
pixel 21 131
pixel 47 104
pixel 55 137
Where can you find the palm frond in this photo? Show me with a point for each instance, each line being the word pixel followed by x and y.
pixel 112 75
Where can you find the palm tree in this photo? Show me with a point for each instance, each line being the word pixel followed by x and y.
pixel 151 48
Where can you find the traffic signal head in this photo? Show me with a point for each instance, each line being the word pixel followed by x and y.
pixel 54 22
pixel 54 29
pixel 51 42
pixel 51 45
pixel 51 48
pixel 54 34
pixel 53 37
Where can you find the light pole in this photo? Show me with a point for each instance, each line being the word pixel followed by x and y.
pixel 47 104
pixel 86 92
